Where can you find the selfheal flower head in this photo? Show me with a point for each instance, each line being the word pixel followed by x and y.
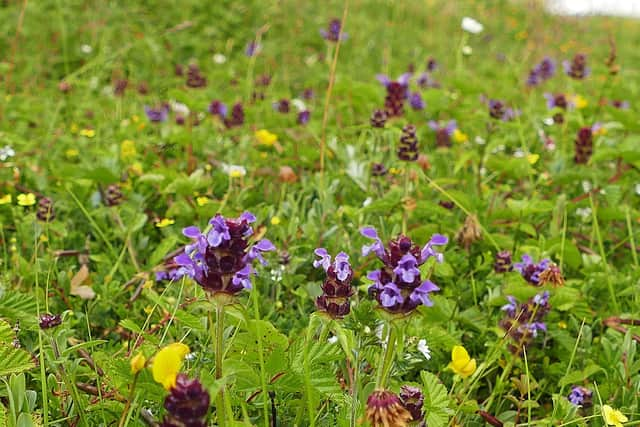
pixel 523 322
pixel 412 400
pixel 336 288
pixel 48 321
pixel 334 31
pixel 408 147
pixel 397 93
pixel 385 409
pixel 218 108
pixel 444 132
pixel 220 258
pixel 187 403
pixel 416 101
pixel 530 270
pixel 398 286
pixel 157 114
pixel 580 396
pixel 583 145
pixel 577 67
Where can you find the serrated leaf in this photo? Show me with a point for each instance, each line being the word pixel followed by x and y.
pixel 14 360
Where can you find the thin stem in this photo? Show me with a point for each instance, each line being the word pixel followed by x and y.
pixel 263 375
pixel 387 360
pixel 596 230
pixel 354 387
pixel 219 351
pixel 632 241
pixel 127 406
pixel 307 373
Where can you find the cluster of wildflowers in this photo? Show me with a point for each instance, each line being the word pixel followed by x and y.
pixel 398 286
pixel 541 72
pixel 336 288
pixel 408 147
pixel 524 321
pixel 220 259
pixel 531 270
pixel 334 32
pixel 577 67
pixel 397 93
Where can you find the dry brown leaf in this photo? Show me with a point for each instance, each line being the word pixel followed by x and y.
pixel 77 287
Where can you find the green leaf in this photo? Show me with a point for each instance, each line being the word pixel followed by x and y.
pixel 436 400
pixel 14 360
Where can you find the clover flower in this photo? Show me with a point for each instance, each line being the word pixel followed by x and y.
pixel 444 132
pixel 187 404
pixel 577 67
pixel 157 114
pixel 336 288
pixel 523 322
pixel 580 396
pixel 220 258
pixel 408 147
pixel 530 270
pixel 412 399
pixel 397 93
pixel 397 286
pixel 333 32
pixel 461 363
pixel 385 409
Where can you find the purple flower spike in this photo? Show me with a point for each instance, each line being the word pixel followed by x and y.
pixel 325 259
pixel 416 101
pixel 157 115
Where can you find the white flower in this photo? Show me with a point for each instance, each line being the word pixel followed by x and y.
pixel 467 50
pixel 6 152
pixel 234 171
pixel 219 58
pixel 518 153
pixel 548 121
pixel 333 339
pixel 479 140
pixel 86 49
pixel 586 186
pixel 583 213
pixel 179 108
pixel 368 201
pixel 299 104
pixel 424 349
pixel 472 26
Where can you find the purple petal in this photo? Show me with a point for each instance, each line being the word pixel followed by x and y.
pixel 384 79
pixel 192 232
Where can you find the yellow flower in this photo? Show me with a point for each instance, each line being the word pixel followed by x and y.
pixel 73 128
pixel 459 136
pixel 137 363
pixel 71 153
pixel 613 417
pixel 275 220
pixel 202 200
pixel 579 101
pixel 89 133
pixel 135 118
pixel 128 150
pixel 461 363
pixel 533 158
pixel 165 222
pixel 265 137
pixel 6 199
pixel 234 171
pixel 28 199
pixel 136 168
pixel 562 324
pixel 167 364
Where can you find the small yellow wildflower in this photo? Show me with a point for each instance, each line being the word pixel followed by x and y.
pixel 148 309
pixel 136 168
pixel 459 136
pixel 43 238
pixel 135 118
pixel 533 158
pixel 6 199
pixel 73 128
pixel 28 199
pixel 128 150
pixel 461 363
pixel 165 222
pixel 234 171
pixel 137 363
pixel 613 417
pixel 71 153
pixel 275 220
pixel 265 137
pixel 562 324
pixel 394 171
pixel 167 364
pixel 579 101
pixel 202 200
pixel 89 133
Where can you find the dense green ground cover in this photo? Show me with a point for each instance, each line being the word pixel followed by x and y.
pixel 94 196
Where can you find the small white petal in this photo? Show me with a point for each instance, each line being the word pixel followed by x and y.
pixel 472 26
pixel 219 58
